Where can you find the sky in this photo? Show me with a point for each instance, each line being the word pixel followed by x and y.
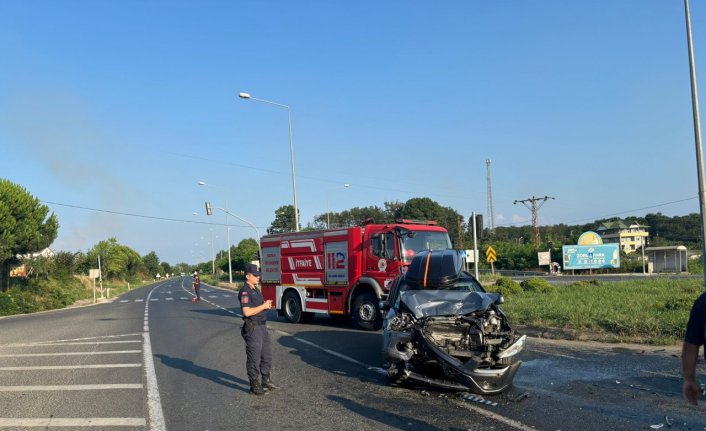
pixel 112 112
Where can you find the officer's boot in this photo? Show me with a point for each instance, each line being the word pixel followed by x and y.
pixel 256 387
pixel 267 383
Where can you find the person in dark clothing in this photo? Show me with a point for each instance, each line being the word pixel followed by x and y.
pixel 257 340
pixel 694 338
pixel 197 288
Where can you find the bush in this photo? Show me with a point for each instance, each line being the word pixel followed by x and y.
pixel 587 283
pixel 506 287
pixel 29 296
pixel 538 285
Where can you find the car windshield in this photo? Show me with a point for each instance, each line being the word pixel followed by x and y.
pixel 416 241
pixel 465 283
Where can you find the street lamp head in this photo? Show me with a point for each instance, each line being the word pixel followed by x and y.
pixel 244 95
pixel 346 185
pixel 201 183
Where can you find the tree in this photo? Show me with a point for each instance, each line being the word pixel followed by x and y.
pixel 64 264
pixel 284 220
pixel 25 226
pixel 427 209
pixel 166 268
pixel 151 262
pixel 117 261
pixel 244 253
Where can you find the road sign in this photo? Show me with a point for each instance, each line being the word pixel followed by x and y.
pixel 490 255
pixel 544 258
pixel 470 256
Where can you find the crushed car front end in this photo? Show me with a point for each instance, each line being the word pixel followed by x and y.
pixel 453 338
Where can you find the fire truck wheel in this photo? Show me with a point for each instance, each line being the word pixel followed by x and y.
pixel 292 307
pixel 366 313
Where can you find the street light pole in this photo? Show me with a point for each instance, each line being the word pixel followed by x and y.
pixel 230 264
pixel 328 204
pixel 257 231
pixel 697 133
pixel 291 151
pixel 213 255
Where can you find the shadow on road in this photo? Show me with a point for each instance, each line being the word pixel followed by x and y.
pixel 215 376
pixel 363 347
pixel 387 418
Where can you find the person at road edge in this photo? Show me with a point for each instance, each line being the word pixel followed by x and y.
pixel 694 338
pixel 257 340
pixel 196 284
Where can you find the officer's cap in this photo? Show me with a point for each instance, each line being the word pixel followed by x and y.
pixel 252 269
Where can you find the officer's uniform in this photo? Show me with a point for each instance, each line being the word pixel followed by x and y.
pixel 257 339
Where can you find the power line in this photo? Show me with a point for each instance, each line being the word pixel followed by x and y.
pixel 144 216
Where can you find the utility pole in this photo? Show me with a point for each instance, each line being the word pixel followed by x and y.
pixel 459 246
pixel 491 222
pixel 534 204
pixel 697 132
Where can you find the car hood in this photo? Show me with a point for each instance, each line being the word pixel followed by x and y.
pixel 432 303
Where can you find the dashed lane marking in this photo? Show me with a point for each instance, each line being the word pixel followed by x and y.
pixel 72 422
pixel 83 343
pixel 28 355
pixel 70 387
pixel 69 367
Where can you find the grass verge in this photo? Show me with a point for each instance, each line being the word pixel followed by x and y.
pixel 653 311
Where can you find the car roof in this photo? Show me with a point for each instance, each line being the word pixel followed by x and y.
pixel 435 268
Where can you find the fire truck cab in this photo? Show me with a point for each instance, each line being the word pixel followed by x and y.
pixel 342 272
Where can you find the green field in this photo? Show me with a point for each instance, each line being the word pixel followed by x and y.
pixel 650 311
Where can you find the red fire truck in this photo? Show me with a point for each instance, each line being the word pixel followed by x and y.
pixel 342 272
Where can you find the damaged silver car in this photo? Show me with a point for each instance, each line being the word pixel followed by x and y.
pixel 444 330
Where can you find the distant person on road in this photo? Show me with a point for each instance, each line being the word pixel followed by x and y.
pixel 197 288
pixel 693 340
pixel 257 340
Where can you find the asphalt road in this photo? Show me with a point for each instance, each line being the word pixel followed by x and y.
pixel 152 359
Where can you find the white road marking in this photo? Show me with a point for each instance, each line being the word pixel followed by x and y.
pixel 72 422
pixel 170 299
pixel 511 422
pixel 69 367
pixel 139 300
pixel 558 354
pixel 154 403
pixel 72 339
pixel 111 352
pixel 154 299
pixel 80 343
pixel 124 300
pixel 70 387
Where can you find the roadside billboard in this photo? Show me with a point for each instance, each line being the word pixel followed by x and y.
pixel 591 256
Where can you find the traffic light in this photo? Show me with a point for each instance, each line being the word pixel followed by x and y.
pixel 208 208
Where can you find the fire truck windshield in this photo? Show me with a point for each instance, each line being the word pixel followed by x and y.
pixel 416 241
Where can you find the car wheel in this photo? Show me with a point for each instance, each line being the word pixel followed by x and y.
pixel 366 312
pixel 292 307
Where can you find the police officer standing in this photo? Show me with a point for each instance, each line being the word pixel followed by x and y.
pixel 693 340
pixel 254 331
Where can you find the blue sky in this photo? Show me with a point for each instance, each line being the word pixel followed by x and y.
pixel 125 106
